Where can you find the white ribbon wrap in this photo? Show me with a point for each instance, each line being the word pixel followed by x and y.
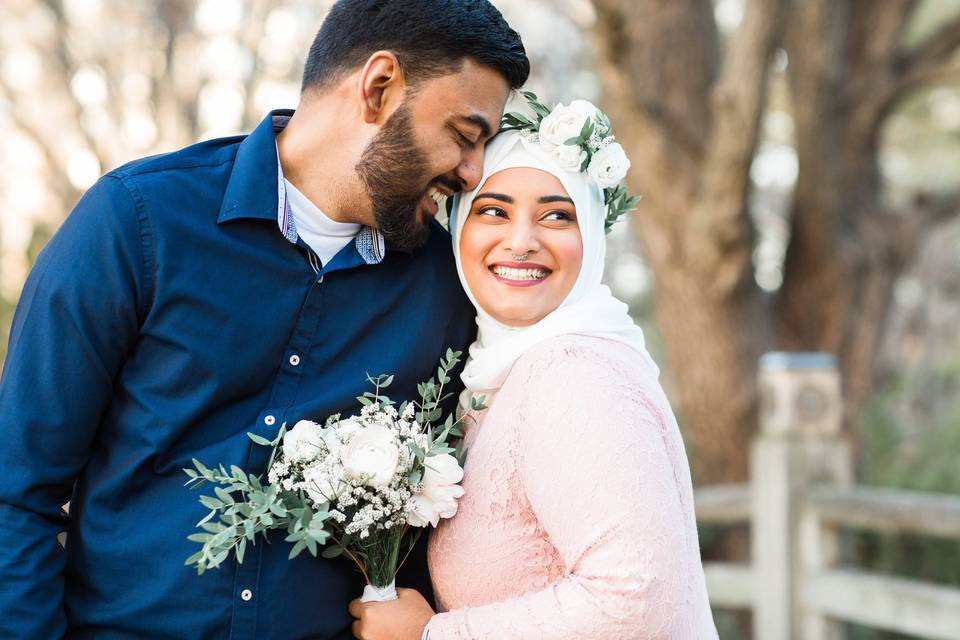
pixel 379 594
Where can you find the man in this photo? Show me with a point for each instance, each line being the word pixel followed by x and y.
pixel 227 288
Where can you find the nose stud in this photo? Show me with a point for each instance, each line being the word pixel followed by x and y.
pixel 522 257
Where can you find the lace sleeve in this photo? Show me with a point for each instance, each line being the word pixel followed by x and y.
pixel 599 467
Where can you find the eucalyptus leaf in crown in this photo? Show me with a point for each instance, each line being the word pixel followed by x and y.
pixel 581 139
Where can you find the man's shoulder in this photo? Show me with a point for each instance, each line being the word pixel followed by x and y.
pixel 438 254
pixel 439 245
pixel 208 156
pixel 437 269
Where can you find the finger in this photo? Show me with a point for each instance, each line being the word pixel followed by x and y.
pixel 356 630
pixel 355 608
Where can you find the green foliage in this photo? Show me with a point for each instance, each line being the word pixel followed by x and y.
pixel 619 203
pixel 244 508
pixel 918 457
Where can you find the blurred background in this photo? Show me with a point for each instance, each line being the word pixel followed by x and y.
pixel 800 171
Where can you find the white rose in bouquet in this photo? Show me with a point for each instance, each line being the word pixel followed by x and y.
pixel 304 442
pixel 609 165
pixel 351 482
pixel 320 486
pixel 438 499
pixel 569 156
pixel 371 456
pixel 565 122
pixel 334 436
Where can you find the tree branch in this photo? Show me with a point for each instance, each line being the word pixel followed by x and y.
pixel 925 76
pixel 719 222
pixel 937 208
pixel 929 63
pixel 664 159
pixel 65 191
pixel 937 47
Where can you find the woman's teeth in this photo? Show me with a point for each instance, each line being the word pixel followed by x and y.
pixel 520 274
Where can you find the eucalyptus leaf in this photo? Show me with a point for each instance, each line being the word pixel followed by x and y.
pixel 241 548
pixel 259 439
pixel 297 548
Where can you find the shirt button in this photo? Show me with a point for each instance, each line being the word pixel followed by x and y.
pixel 294 359
pixel 269 420
pixel 246 595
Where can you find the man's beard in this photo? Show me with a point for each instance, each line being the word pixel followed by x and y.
pixel 394 173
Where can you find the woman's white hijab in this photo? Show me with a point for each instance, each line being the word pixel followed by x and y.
pixel 589 309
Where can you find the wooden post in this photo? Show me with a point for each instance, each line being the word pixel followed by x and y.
pixel 799 444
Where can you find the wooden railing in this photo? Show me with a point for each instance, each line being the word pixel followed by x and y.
pixel 800 497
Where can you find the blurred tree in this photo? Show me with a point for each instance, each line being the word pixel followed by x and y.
pixel 691 126
pixel 86 85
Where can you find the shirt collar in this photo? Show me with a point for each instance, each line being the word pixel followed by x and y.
pixel 248 195
pixel 251 191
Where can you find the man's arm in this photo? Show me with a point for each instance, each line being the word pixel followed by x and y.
pixel 77 319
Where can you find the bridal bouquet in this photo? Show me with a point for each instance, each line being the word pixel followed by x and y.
pixel 365 485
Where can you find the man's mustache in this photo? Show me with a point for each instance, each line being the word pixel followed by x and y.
pixel 451 183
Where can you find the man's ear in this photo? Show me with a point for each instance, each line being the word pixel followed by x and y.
pixel 381 85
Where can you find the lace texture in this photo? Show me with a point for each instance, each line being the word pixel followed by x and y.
pixel 578 517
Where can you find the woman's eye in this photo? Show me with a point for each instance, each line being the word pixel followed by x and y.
pixel 558 216
pixel 493 212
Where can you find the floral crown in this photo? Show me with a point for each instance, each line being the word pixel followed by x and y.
pixel 580 138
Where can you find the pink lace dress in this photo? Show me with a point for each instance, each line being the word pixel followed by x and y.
pixel 578 518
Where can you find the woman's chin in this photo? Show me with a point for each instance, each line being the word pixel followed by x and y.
pixel 515 315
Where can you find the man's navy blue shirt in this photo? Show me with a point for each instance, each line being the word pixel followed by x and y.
pixel 158 326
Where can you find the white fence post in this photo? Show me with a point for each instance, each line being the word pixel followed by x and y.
pixel 799 444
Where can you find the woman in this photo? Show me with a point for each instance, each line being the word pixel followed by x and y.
pixel 577 521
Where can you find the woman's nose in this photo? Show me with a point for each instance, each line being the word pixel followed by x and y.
pixel 522 238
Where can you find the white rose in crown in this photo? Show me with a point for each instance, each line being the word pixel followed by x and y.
pixel 565 122
pixel 569 156
pixel 304 442
pixel 609 165
pixel 438 499
pixel 371 456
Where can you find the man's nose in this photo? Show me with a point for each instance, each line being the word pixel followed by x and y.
pixel 471 168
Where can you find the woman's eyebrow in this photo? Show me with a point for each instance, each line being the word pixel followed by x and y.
pixel 546 199
pixel 496 196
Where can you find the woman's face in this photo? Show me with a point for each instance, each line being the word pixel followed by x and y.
pixel 519 212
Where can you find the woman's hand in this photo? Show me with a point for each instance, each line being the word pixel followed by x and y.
pixel 400 619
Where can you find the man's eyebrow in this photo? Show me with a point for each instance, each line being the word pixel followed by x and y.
pixel 480 122
pixel 496 196
pixel 546 199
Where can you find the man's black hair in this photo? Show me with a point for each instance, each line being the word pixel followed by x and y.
pixel 429 37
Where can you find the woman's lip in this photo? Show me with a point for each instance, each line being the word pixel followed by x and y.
pixel 520 283
pixel 520 265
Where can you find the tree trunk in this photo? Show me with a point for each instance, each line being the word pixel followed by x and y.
pixel 691 132
pixel 692 135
